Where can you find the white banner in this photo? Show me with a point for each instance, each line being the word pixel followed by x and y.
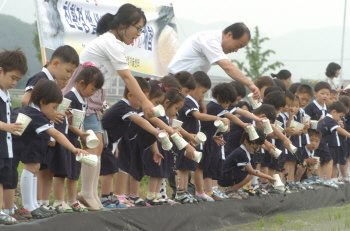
pixel 73 22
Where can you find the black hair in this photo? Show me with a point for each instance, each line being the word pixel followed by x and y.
pixel 13 61
pixel 282 75
pixel 185 79
pixel 322 85
pixel 240 88
pixel 243 103
pixel 333 92
pixel 268 110
pixel 66 54
pixel 237 30
pixel 314 132
pixel 338 107
pixel 170 82
pixel 91 74
pixel 156 89
pixel 272 89
pixel 46 91
pixel 305 89
pixel 174 96
pixel 126 15
pixel 264 81
pixel 280 84
pixel 143 83
pixel 290 95
pixel 224 93
pixel 332 69
pixel 345 100
pixel 259 141
pixel 294 87
pixel 202 79
pixel 276 98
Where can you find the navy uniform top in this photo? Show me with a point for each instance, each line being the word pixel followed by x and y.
pixel 306 153
pixel 190 124
pixel 283 118
pixel 78 102
pixel 6 150
pixel 328 127
pixel 237 161
pixel 34 139
pixel 213 108
pixel 32 81
pixel 315 110
pixel 305 139
pixel 116 119
pixel 297 139
pixel 233 137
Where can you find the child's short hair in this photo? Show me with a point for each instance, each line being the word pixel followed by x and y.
pixel 240 88
pixel 171 82
pixel 264 81
pixel 280 83
pixel 243 103
pixel 90 74
pixel 322 85
pixel 345 100
pixel 268 110
pixel 272 89
pixel 305 89
pixel 294 87
pixel 143 83
pixel 338 107
pixel 46 91
pixel 276 99
pixel 224 93
pixel 13 61
pixel 314 133
pixel 333 92
pixel 66 54
pixel 174 96
pixel 202 79
pixel 290 96
pixel 259 141
pixel 185 79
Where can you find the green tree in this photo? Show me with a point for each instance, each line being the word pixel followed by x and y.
pixel 257 58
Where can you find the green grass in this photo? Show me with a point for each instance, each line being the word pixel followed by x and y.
pixel 324 219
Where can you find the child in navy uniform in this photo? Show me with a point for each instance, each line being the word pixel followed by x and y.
pixel 64 166
pixel 31 146
pixel 237 169
pixel 13 65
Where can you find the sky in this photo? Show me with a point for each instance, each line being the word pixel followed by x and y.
pixel 275 18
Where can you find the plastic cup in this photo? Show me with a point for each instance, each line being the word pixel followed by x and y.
pixel 91 140
pixel 276 153
pixel 64 105
pixel 200 138
pixel 176 124
pixel 220 126
pixel 165 141
pixel 267 126
pixel 78 117
pixel 252 132
pixel 297 125
pixel 197 156
pixel 306 119
pixel 24 120
pixel 316 166
pixel 278 184
pixel 313 124
pixel 179 141
pixel 90 159
pixel 159 111
pixel 253 102
pixel 292 149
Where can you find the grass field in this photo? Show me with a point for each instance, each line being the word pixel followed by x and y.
pixel 323 219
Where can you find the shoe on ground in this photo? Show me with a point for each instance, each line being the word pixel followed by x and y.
pixel 184 198
pixel 6 219
pixel 40 214
pixel 24 213
pixel 205 197
pixel 234 195
pixel 138 201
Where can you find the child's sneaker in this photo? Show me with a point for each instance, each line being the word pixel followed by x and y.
pixel 40 214
pixel 123 200
pixel 205 197
pixel 216 196
pixel 78 207
pixel 23 213
pixel 234 195
pixel 184 198
pixel 107 203
pixel 48 209
pixel 154 202
pixel 138 201
pixel 6 219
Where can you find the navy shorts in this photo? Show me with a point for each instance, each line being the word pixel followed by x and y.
pixel 6 171
pixel 228 180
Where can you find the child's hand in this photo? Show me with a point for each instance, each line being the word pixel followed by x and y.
pixel 287 143
pixel 78 151
pixel 189 153
pixel 219 140
pixel 311 161
pixel 157 158
pixel 192 139
pixel 271 179
pixel 341 123
pixel 226 123
pixel 51 143
pixel 13 128
pixel 58 118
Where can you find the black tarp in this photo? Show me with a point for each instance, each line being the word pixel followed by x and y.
pixel 202 216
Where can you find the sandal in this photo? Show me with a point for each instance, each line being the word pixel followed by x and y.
pixel 138 201
pixel 82 200
pixel 77 207
pixel 6 219
pixel 154 202
pixel 23 213
pixel 39 214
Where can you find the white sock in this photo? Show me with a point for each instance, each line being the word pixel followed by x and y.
pixel 35 192
pixel 163 189
pixel 27 190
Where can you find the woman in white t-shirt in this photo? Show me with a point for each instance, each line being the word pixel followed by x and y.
pixel 107 52
pixel 332 72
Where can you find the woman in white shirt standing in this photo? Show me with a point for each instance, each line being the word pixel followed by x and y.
pixel 332 72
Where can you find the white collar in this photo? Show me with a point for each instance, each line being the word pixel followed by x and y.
pixel 329 115
pixel 319 106
pixel 5 96
pixel 246 151
pixel 79 97
pixel 47 73
pixel 126 101
pixel 34 106
pixel 309 153
pixel 191 98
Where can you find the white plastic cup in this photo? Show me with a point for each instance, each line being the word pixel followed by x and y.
pixel 176 124
pixel 78 117
pixel 64 105
pixel 159 111
pixel 276 153
pixel 90 159
pixel 253 102
pixel 297 125
pixel 292 149
pixel 165 141
pixel 197 156
pixel 24 120
pixel 179 141
pixel 252 132
pixel 278 184
pixel 278 125
pixel 220 126
pixel 313 124
pixel 316 166
pixel 267 126
pixel 91 140
pixel 306 119
pixel 200 138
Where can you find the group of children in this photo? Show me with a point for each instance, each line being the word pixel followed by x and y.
pixel 231 157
